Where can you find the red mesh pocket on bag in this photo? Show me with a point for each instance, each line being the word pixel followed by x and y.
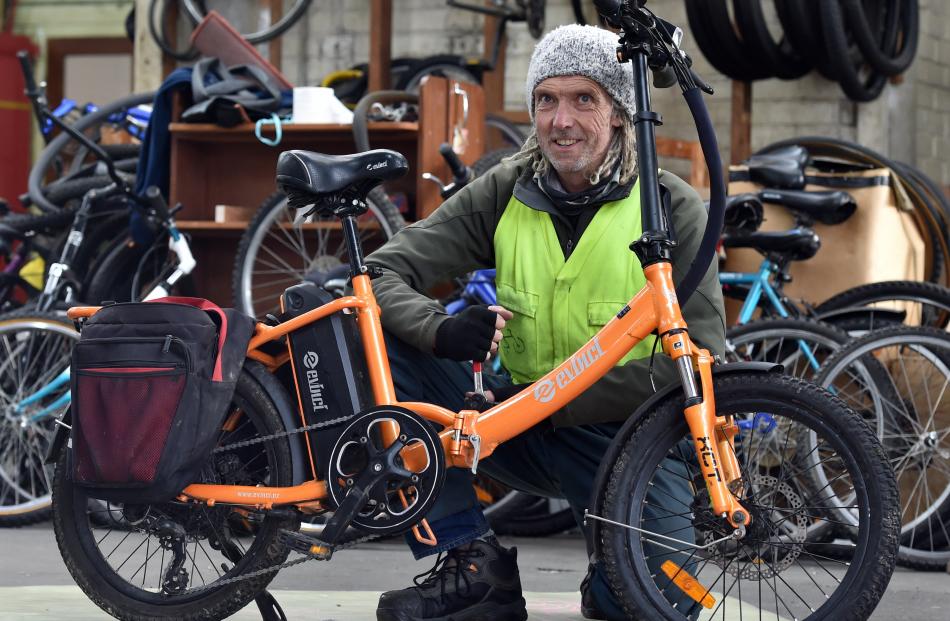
pixel 125 416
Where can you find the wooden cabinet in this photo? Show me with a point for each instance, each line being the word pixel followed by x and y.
pixel 211 166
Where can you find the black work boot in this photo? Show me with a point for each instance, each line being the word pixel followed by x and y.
pixel 478 581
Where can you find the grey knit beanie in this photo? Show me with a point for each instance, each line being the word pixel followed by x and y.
pixel 586 51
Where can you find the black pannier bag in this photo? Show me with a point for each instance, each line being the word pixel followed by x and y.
pixel 151 385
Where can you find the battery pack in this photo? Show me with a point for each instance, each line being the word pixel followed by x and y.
pixel 329 367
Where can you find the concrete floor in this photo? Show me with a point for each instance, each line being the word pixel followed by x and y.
pixel 34 584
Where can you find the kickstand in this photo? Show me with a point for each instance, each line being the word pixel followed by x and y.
pixel 270 609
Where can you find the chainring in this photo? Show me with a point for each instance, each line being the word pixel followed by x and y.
pixel 401 498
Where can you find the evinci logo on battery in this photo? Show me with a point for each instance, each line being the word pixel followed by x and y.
pixel 310 361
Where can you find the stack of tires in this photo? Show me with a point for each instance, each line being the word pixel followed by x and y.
pixel 858 43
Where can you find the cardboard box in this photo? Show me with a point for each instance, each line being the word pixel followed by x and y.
pixel 879 242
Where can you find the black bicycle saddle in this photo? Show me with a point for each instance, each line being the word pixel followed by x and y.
pixel 743 212
pixel 830 207
pixel 793 245
pixel 307 177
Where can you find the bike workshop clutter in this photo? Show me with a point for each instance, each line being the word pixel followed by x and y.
pixel 878 240
pixel 152 382
pixel 229 96
pixel 858 43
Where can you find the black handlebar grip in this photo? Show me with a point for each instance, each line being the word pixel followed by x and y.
pixel 27 67
pixel 154 199
pixel 609 10
pixel 459 170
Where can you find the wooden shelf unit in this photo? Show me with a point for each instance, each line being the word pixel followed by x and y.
pixel 212 165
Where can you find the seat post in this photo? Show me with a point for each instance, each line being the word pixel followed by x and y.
pixel 353 246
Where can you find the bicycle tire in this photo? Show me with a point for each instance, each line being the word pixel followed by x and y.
pixel 776 340
pixel 49 153
pixel 845 65
pixel 491 159
pixel 449 66
pixel 160 34
pixel 274 212
pixel 197 13
pixel 47 339
pixel 653 444
pixel 889 64
pixel 579 17
pixel 509 131
pixel 865 364
pixel 716 37
pixel 114 592
pixel 801 28
pixel 534 16
pixel 72 189
pixel 935 296
pixel 783 60
pixel 119 268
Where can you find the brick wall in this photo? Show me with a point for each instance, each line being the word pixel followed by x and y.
pixel 910 121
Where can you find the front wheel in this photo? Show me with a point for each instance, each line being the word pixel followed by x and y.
pixel 800 450
pixel 175 560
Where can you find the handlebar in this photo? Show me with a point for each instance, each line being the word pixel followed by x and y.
pixel 460 172
pixel 155 201
pixel 652 43
pixel 32 90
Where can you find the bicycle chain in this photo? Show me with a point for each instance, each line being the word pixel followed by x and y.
pixel 297 561
pixel 283 434
pixel 277 568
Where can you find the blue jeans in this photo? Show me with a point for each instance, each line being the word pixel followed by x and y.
pixel 544 461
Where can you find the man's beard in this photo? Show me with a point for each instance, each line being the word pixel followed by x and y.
pixel 581 163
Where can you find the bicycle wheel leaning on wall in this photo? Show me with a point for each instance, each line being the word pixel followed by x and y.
pixel 897 379
pixel 36 349
pixel 276 251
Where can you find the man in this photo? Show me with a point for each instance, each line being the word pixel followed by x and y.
pixel 555 222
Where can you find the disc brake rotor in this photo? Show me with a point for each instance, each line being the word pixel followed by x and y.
pixel 775 538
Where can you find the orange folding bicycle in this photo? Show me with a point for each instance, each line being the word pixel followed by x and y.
pixel 749 461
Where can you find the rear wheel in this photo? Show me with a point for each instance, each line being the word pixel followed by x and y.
pixel 148 564
pixel 793 435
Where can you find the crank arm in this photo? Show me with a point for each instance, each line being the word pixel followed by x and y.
pixel 355 499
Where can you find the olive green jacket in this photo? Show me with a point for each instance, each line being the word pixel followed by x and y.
pixel 458 238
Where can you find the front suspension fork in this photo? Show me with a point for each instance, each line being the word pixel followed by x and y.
pixel 713 436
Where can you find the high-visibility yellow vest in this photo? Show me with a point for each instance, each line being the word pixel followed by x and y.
pixel 559 305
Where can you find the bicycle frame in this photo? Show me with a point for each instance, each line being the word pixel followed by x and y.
pixel 470 435
pixel 761 283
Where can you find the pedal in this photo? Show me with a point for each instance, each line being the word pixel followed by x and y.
pixel 305 544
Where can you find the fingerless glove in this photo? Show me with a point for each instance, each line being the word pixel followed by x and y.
pixel 466 336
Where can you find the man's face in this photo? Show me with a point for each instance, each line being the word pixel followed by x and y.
pixel 574 120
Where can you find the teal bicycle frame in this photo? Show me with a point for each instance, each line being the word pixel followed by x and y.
pixel 761 282
pixel 52 408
